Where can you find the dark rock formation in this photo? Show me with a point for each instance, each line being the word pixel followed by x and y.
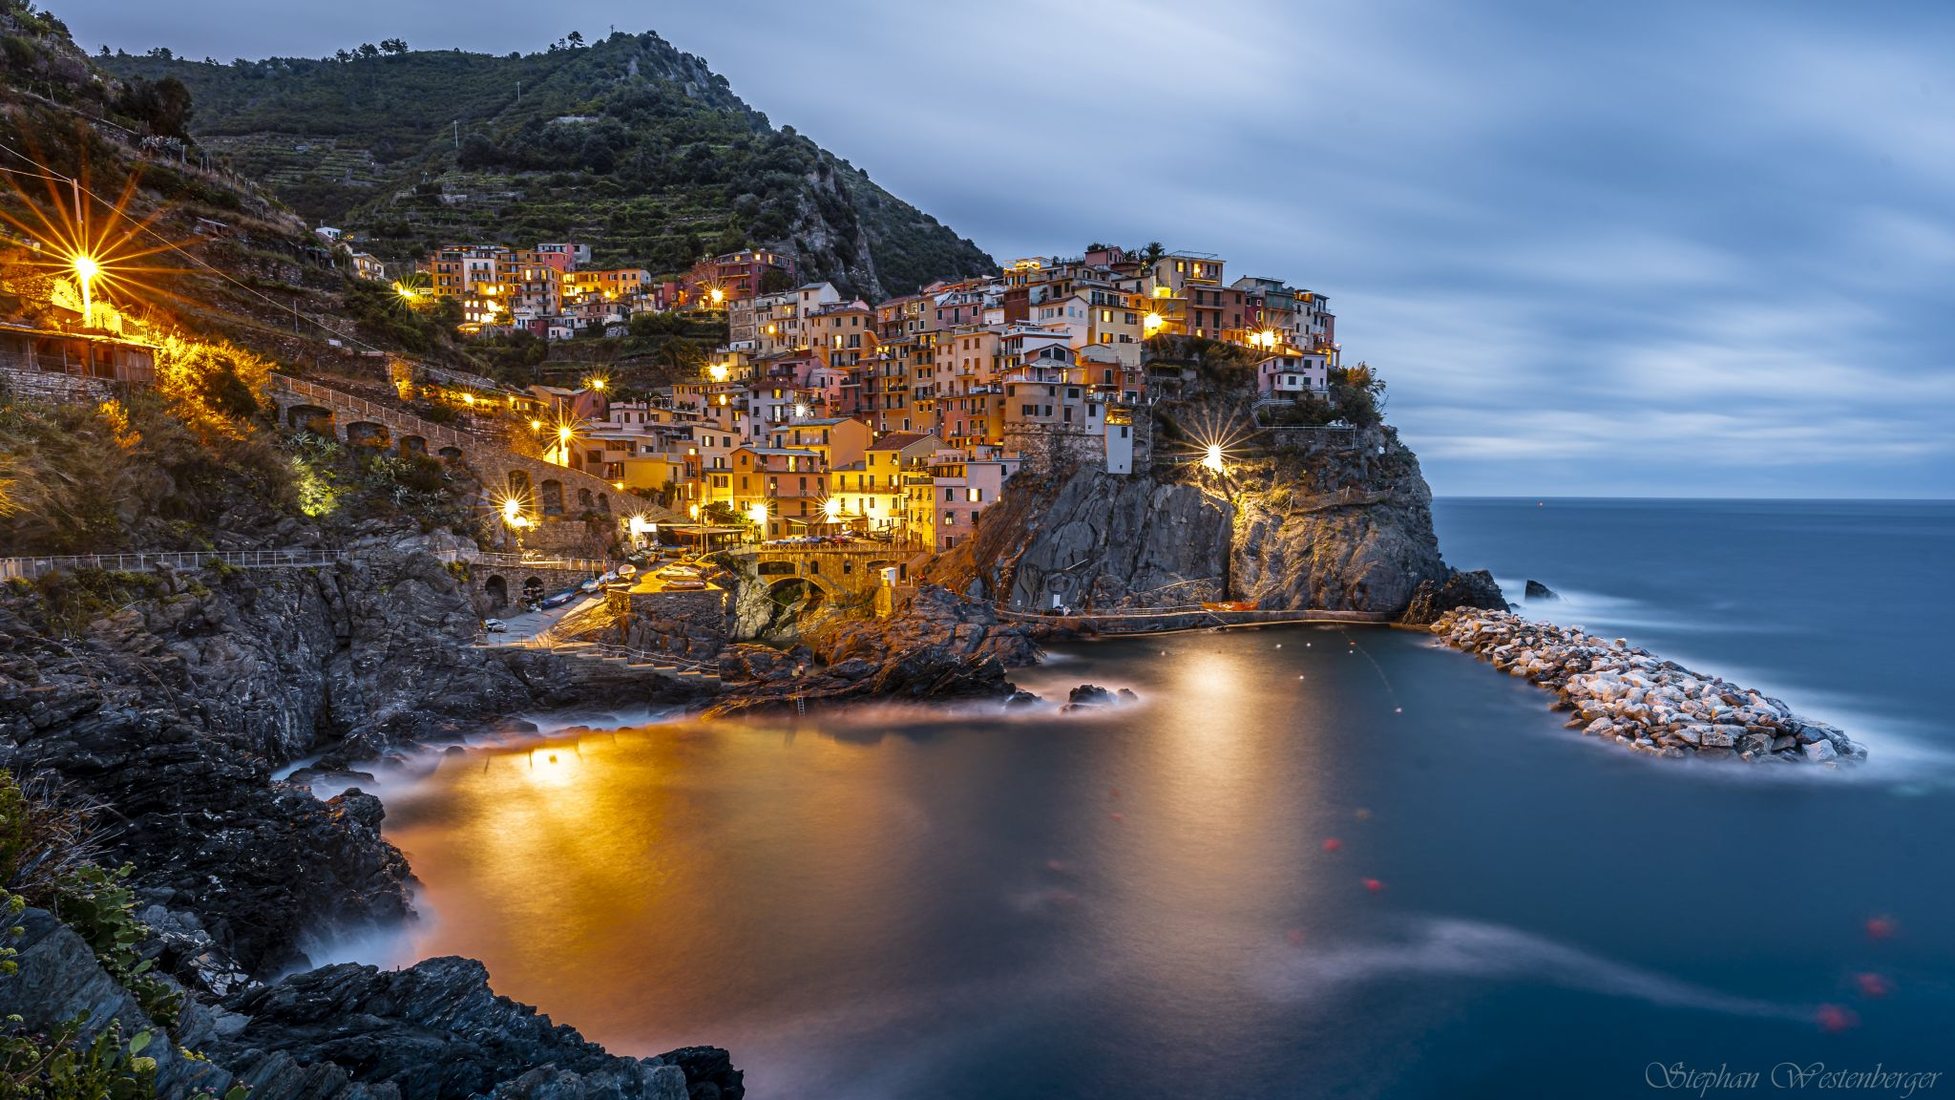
pixel 174 703
pixel 1535 590
pixel 943 646
pixel 58 980
pixel 1459 589
pixel 1346 527
pixel 433 1030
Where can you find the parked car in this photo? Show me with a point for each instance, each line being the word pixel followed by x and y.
pixel 494 626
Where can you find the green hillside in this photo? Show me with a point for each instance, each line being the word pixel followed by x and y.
pixel 627 143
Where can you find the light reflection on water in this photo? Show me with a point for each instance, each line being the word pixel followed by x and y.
pixel 901 903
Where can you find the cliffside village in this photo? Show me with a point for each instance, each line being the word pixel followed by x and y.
pixel 900 419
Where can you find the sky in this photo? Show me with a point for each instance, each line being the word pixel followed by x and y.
pixel 1651 249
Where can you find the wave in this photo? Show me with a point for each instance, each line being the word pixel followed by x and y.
pixel 1452 947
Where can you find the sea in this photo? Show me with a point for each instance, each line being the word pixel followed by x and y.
pixel 1306 862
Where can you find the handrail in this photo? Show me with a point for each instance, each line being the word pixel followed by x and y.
pixel 297 558
pixel 292 558
pixel 1247 615
pixel 489 557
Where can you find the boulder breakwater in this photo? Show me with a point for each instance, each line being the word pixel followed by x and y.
pixel 1641 701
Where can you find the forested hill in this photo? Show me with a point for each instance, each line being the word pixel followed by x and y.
pixel 627 143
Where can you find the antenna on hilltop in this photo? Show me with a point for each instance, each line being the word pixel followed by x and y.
pixel 458 133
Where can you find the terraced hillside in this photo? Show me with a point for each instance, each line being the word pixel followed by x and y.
pixel 628 143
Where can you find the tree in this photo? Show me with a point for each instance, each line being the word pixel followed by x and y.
pixel 575 39
pixel 394 46
pixel 368 49
pixel 342 56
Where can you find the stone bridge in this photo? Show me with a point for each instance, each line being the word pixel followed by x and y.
pixel 834 571
pixel 547 491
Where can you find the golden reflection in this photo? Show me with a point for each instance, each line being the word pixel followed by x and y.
pixel 639 883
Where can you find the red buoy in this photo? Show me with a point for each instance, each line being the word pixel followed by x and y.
pixel 1835 1018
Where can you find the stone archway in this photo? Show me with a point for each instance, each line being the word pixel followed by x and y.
pixel 533 589
pixel 551 497
pixel 367 433
pixel 311 418
pixel 452 454
pixel 797 595
pixel 413 445
pixel 584 501
pixel 497 589
pixel 519 488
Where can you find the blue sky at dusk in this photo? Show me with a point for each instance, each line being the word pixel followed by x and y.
pixel 1647 249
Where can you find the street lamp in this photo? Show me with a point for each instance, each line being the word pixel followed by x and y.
pixel 757 512
pixel 1212 458
pixel 717 295
pixel 86 268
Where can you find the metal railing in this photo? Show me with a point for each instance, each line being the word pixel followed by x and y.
pixel 594 566
pixel 1219 615
pixel 27 568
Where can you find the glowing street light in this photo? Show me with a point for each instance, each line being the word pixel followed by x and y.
pixel 86 268
pixel 597 383
pixel 758 514
pixel 717 371
pixel 695 513
pixel 717 295
pixel 1151 324
pixel 1212 458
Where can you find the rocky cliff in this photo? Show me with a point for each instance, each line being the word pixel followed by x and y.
pixel 1337 522
pixel 173 698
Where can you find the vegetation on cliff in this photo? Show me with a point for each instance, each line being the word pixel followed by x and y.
pixel 627 143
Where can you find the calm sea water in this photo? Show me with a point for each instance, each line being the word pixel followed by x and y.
pixel 1173 900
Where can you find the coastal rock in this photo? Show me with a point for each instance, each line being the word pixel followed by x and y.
pixel 1459 589
pixel 1535 590
pixel 435 1030
pixel 943 646
pixel 174 711
pixel 1622 693
pixel 1340 527
pixel 1092 695
pixel 58 979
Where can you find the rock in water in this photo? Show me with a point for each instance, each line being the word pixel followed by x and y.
pixel 1460 589
pixel 434 1030
pixel 1538 591
pixel 1090 695
pixel 1653 706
